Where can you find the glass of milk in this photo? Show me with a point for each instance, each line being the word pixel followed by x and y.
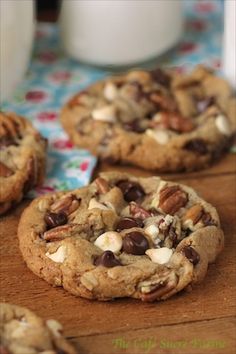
pixel 119 32
pixel 229 54
pixel 16 38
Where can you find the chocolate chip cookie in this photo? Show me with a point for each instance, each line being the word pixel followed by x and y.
pixel 22 159
pixel 157 120
pixel 22 331
pixel 121 236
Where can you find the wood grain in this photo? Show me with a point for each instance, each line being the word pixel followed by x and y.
pixel 205 314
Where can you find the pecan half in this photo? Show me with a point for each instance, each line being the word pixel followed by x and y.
pixel 174 121
pixel 102 185
pixel 193 214
pixel 172 198
pixel 196 217
pixel 5 171
pixel 60 232
pixel 67 204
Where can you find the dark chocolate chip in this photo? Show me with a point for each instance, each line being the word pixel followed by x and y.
pixel 128 223
pixel 197 145
pixel 107 259
pixel 203 104
pixel 135 243
pixel 131 190
pixel 161 77
pixel 191 254
pixel 134 126
pixel 55 219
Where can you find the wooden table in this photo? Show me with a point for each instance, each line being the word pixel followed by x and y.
pixel 202 321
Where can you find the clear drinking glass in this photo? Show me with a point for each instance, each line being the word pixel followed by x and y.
pixel 118 32
pixel 16 38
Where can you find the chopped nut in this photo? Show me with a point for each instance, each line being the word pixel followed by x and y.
pixel 152 290
pixel 60 232
pixel 58 256
pixel 223 125
pixel 172 198
pixel 43 205
pixel 68 204
pixel 55 327
pixel 89 281
pixel 109 241
pixel 102 184
pixel 161 136
pixel 110 91
pixel 159 255
pixel 94 204
pixel 5 171
pixel 140 76
pixel 105 114
pixel 138 212
pixel 192 216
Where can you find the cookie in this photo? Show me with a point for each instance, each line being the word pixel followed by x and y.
pixel 23 332
pixel 156 120
pixel 22 159
pixel 121 236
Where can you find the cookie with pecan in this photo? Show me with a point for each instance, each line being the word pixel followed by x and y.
pixel 157 120
pixel 22 159
pixel 121 236
pixel 22 331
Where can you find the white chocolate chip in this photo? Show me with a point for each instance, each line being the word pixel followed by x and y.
pixel 94 204
pixel 55 327
pixel 105 114
pixel 159 255
pixel 160 136
pixel 152 230
pixel 110 91
pixel 223 125
pixel 157 117
pixel 58 256
pixel 109 241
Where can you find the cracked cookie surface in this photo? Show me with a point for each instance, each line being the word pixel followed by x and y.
pixel 23 332
pixel 157 120
pixel 22 159
pixel 121 236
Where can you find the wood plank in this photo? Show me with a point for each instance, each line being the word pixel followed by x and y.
pixel 20 286
pixel 225 166
pixel 214 337
pixel 203 314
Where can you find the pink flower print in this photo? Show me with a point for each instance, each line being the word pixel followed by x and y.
pixel 84 166
pixel 205 6
pixel 47 116
pixel 62 144
pixel 61 76
pixel 47 57
pixel 35 96
pixel 40 34
pixel 44 189
pixel 197 25
pixel 187 47
pixel 216 63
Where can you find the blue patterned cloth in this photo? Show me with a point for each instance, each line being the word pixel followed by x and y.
pixel 53 78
